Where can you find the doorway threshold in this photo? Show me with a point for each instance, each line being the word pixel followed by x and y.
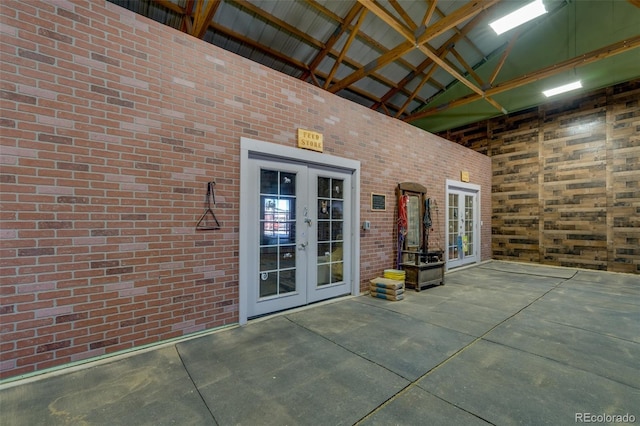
pixel 259 318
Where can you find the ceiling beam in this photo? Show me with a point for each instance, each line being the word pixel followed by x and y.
pixel 417 90
pixel 466 66
pixel 188 27
pixel 403 14
pixel 366 39
pixel 429 13
pixel 389 19
pixel 187 22
pixel 503 58
pixel 306 70
pixel 442 50
pixel 303 67
pixel 203 17
pixel 376 64
pixel 328 45
pixel 576 62
pixel 461 14
pixel 172 7
pixel 437 28
pixel 302 35
pixel 448 68
pixel 345 48
pixel 466 39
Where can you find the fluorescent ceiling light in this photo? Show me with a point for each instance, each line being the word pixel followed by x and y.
pixel 519 17
pixel 562 89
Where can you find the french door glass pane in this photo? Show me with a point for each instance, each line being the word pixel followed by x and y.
pixel 277 233
pixel 336 209
pixel 337 189
pixel 453 226
pixel 330 214
pixel 269 181
pixel 467 242
pixel 324 187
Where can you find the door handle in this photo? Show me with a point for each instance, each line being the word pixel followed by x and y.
pixel 303 246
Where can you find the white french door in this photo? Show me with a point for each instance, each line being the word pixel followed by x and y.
pixel 280 237
pixel 301 231
pixel 329 248
pixel 463 218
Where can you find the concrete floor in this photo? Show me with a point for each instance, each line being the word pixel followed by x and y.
pixel 501 343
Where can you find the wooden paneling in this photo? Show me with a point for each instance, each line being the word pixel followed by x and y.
pixel 515 169
pixel 566 180
pixel 573 186
pixel 473 136
pixel 623 178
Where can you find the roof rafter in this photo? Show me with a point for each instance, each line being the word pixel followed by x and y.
pixel 429 13
pixel 460 15
pixel 328 45
pixel 442 50
pixel 203 16
pixel 466 66
pixel 360 35
pixel 302 35
pixel 503 58
pixel 372 66
pixel 190 20
pixel 578 61
pixel 410 99
pixel 172 6
pixel 346 47
pixel 405 16
pixel 466 39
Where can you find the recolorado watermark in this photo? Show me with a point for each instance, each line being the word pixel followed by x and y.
pixel 604 418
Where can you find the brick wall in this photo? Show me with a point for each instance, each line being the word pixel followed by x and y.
pixel 111 126
pixel 566 180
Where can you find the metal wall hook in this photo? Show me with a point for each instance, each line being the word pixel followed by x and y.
pixel 203 222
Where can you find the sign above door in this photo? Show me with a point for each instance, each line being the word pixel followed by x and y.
pixel 308 139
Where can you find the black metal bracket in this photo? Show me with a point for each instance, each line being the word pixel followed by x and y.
pixel 208 221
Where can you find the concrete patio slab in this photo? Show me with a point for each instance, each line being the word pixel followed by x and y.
pixel 151 388
pixel 606 356
pixel 418 407
pixel 392 340
pixel 506 386
pixel 278 373
pixel 566 307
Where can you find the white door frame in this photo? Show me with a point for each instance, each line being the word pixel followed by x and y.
pixel 470 188
pixel 267 150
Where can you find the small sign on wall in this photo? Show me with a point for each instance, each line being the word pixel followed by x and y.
pixel 464 176
pixel 310 140
pixel 378 202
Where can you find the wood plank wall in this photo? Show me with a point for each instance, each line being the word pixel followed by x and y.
pixel 566 180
